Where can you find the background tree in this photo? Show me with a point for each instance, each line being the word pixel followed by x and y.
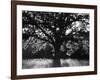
pixel 56 28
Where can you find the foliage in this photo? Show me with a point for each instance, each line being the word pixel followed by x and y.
pixel 63 33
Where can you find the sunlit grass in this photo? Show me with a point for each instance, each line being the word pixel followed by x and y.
pixel 47 63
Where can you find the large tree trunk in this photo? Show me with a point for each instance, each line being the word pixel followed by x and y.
pixel 56 61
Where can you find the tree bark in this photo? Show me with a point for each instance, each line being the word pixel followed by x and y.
pixel 56 61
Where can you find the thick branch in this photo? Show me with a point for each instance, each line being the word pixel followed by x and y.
pixel 36 36
pixel 45 33
pixel 50 28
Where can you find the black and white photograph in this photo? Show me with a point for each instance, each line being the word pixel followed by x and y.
pixel 53 39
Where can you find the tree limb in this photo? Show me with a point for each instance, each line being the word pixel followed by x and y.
pixel 51 39
pixel 41 38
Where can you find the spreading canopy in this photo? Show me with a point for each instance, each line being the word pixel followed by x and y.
pixel 55 27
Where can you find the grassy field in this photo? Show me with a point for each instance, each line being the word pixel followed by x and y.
pixel 47 63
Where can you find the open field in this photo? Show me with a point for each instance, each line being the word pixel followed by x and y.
pixel 47 63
